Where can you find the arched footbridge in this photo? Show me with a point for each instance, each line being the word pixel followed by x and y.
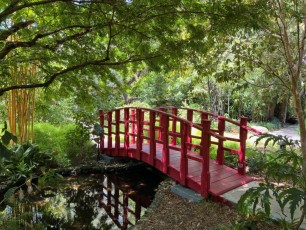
pixel 178 142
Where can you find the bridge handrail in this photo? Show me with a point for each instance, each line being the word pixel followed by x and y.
pixel 221 130
pixel 136 117
pixel 210 114
pixel 214 134
pixel 141 126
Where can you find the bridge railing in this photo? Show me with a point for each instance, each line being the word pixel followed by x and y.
pixel 127 131
pixel 196 116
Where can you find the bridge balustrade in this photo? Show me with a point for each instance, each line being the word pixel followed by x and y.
pixel 195 115
pixel 150 135
pixel 172 139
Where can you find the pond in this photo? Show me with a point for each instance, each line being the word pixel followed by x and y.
pixel 96 201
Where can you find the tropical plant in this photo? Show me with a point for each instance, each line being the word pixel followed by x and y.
pixel 284 179
pixel 6 138
pixel 24 162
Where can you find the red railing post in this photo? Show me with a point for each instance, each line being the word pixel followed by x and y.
pixel 165 151
pixel 220 151
pixel 184 160
pixel 152 137
pixel 117 132
pixel 125 210
pixel 109 138
pixel 101 116
pixel 133 118
pixel 189 130
pixel 138 209
pixel 242 149
pixel 126 131
pixel 205 175
pixel 160 124
pixel 116 198
pixel 139 133
pixel 173 139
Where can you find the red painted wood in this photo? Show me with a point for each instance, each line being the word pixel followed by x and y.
pixel 152 137
pixel 192 169
pixel 117 132
pixel 139 133
pixel 205 175
pixel 133 118
pixel 220 151
pixel 126 131
pixel 160 125
pixel 183 161
pixel 174 122
pixel 188 131
pixel 165 156
pixel 242 150
pixel 101 116
pixel 109 129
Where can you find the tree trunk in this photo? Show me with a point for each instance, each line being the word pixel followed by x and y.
pixel 281 112
pixel 270 111
pixel 301 118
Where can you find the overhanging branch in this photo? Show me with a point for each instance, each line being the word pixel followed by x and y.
pixel 53 77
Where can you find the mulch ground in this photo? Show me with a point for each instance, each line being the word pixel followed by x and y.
pixel 170 212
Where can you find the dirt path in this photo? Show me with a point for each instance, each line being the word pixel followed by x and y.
pixel 290 131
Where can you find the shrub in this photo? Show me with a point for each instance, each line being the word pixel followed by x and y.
pixel 78 145
pixel 69 143
pixel 285 166
pixel 52 138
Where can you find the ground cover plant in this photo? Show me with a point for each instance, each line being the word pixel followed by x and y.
pixel 283 179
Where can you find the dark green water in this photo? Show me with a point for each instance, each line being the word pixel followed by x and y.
pixel 108 201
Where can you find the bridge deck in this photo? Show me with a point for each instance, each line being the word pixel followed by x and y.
pixel 222 177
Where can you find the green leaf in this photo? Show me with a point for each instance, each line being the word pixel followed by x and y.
pixel 4 152
pixel 295 198
pixel 6 138
pixel 10 193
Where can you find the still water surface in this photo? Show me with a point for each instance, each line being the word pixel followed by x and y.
pixel 99 201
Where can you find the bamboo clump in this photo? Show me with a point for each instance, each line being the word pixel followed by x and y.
pixel 21 104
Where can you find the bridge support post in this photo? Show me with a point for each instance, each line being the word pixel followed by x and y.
pixel 109 127
pixel 220 151
pixel 205 175
pixel 165 151
pixel 101 116
pixel 117 132
pixel 139 133
pixel 133 118
pixel 126 131
pixel 152 138
pixel 184 160
pixel 242 149
pixel 160 124
pixel 125 210
pixel 189 130
pixel 174 112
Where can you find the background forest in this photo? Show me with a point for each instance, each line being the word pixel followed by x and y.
pixel 233 58
pixel 63 60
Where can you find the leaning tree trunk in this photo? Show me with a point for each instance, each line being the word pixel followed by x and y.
pixel 301 119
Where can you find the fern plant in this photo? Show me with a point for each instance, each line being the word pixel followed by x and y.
pixel 284 180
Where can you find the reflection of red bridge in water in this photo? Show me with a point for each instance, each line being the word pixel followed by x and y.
pixel 179 147
pixel 122 202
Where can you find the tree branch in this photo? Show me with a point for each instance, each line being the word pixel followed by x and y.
pixel 53 77
pixel 4 34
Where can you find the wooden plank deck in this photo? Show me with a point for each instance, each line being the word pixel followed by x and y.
pixel 222 177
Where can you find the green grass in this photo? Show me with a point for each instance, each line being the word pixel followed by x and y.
pixel 66 142
pixel 52 138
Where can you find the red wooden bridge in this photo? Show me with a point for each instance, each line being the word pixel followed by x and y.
pixel 178 141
